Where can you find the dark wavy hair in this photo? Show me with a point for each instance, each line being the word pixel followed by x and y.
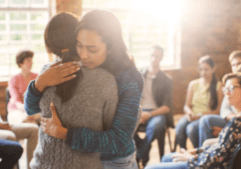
pixel 22 55
pixel 60 34
pixel 108 27
pixel 213 103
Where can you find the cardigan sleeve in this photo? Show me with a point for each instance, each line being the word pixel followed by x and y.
pixel 32 98
pixel 115 141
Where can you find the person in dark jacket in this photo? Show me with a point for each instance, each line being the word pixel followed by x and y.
pixel 156 105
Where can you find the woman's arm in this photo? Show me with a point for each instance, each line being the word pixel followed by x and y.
pixel 116 140
pixel 219 155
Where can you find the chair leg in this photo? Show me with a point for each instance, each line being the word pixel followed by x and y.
pixel 161 146
pixel 175 145
pixel 169 139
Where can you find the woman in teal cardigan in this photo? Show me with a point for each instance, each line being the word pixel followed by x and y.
pixel 99 44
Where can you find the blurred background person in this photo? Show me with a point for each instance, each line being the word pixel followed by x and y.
pixel 17 86
pixel 204 96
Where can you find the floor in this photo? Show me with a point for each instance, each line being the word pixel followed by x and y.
pixel 154 153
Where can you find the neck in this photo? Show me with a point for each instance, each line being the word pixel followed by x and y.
pixel 25 73
pixel 153 69
pixel 206 80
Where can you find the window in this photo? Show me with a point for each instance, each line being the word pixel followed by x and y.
pixel 22 24
pixel 144 24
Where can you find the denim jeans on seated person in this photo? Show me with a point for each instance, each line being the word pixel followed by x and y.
pixel 205 126
pixel 128 162
pixel 185 129
pixel 155 128
pixel 168 164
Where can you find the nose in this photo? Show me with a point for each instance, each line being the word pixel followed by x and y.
pixel 84 54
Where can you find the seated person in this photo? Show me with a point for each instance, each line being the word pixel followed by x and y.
pixel 10 152
pixel 156 106
pixel 211 125
pixel 204 96
pixel 217 155
pixel 20 131
pixel 17 87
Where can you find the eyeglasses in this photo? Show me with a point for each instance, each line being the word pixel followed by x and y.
pixel 230 89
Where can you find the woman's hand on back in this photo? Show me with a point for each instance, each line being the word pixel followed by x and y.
pixel 56 74
pixel 53 126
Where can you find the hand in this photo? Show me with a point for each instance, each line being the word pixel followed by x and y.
pixel 193 151
pixel 29 119
pixel 182 156
pixel 192 117
pixel 216 130
pixel 56 74
pixel 145 116
pixel 5 126
pixel 53 126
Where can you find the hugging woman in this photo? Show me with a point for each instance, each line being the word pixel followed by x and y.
pixel 88 100
pixel 99 44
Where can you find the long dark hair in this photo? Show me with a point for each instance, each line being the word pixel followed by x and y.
pixel 59 35
pixel 106 25
pixel 213 103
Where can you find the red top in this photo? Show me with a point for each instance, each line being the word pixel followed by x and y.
pixel 17 87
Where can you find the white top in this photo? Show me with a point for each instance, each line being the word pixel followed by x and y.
pixel 147 101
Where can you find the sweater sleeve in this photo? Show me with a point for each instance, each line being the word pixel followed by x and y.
pixel 115 141
pixel 14 90
pixel 32 98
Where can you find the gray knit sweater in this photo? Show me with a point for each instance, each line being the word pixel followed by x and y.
pixel 92 106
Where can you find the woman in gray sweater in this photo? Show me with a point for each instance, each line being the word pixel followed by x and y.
pixel 88 100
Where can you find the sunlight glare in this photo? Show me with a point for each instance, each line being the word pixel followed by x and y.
pixel 160 9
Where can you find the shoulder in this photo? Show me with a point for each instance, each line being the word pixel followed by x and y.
pixel 34 75
pixel 97 73
pixel 17 77
pixel 130 76
pixel 194 82
pixel 164 76
pixel 45 67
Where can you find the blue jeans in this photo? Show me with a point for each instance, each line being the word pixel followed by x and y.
pixel 168 164
pixel 155 128
pixel 186 129
pixel 205 126
pixel 128 162
pixel 10 152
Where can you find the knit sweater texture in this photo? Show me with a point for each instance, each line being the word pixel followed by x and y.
pixel 93 105
pixel 116 142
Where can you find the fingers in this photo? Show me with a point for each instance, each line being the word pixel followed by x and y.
pixel 65 79
pixel 69 71
pixel 68 64
pixel 53 110
pixel 56 64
